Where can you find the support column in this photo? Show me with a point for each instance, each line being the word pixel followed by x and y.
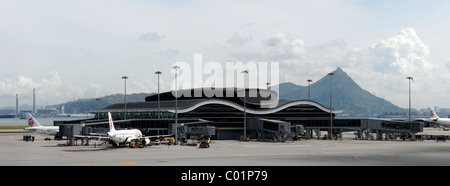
pixel 317 131
pixel 379 135
pixel 361 134
pixel 413 136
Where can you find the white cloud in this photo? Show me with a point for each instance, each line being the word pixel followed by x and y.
pixel 49 90
pixel 381 67
pixel 279 39
pixel 170 53
pixel 148 86
pixel 297 60
pixel 151 37
pixel 404 53
pixel 237 39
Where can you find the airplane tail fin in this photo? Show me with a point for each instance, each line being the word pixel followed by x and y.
pixel 111 123
pixel 433 114
pixel 32 122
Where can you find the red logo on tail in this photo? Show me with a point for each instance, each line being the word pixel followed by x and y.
pixel 30 122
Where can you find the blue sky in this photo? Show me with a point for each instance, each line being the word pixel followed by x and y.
pixel 80 49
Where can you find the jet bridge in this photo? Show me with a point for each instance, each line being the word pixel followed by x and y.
pixel 270 129
pixel 195 130
pixel 70 131
pixel 365 128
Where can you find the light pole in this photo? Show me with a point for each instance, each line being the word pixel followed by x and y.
pixel 409 79
pixel 176 102
pixel 309 88
pixel 159 106
pixel 125 78
pixel 245 105
pixel 97 100
pixel 331 107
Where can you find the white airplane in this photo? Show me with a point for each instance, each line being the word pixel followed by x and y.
pixel 35 126
pixel 435 118
pixel 122 137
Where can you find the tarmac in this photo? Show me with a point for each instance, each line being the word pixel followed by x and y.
pixel 346 152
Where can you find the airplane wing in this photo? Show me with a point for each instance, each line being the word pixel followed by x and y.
pixel 98 136
pixel 157 136
pixel 405 119
pixel 31 129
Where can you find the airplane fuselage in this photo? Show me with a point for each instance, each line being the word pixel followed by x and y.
pixel 443 121
pixel 44 130
pixel 124 136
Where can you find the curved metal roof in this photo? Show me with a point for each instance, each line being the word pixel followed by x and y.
pixel 259 101
pixel 281 106
pixel 185 106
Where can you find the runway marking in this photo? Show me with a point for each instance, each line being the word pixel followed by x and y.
pixel 128 162
pixel 320 152
pixel 365 162
pixel 388 154
pixel 241 155
pixel 160 161
pixel 83 164
pixel 357 157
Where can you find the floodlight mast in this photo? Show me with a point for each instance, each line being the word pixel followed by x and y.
pixel 245 72
pixel 309 88
pixel 159 106
pixel 176 68
pixel 125 100
pixel 409 80
pixel 331 107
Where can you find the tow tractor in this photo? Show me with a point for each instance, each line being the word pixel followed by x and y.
pixel 140 143
pixel 204 143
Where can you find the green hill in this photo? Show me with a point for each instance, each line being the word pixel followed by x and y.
pixel 90 104
pixel 347 95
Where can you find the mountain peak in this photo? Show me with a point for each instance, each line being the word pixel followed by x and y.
pixel 339 78
pixel 339 71
pixel 347 95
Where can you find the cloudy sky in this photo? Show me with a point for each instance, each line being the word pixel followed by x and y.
pixel 80 49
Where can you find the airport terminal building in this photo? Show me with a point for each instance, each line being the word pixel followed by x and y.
pixel 222 117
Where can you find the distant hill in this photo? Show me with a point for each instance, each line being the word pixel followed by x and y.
pixel 90 104
pixel 12 110
pixel 347 95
